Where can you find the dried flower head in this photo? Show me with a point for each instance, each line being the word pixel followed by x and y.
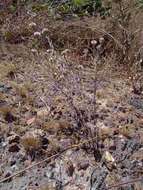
pixel 34 50
pixel 32 24
pixel 65 52
pixel 94 42
pixel 45 31
pixel 101 40
pixel 37 34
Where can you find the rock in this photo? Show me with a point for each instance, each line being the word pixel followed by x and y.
pixel 98 177
pixel 3 144
pixel 5 89
pixel 14 148
pixel 136 102
pixel 83 165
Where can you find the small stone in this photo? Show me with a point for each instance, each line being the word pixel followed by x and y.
pixel 3 144
pixel 14 148
pixel 83 165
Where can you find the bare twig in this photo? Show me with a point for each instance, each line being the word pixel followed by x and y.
pixel 45 160
pixel 48 109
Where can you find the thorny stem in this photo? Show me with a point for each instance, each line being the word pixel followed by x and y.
pixel 95 145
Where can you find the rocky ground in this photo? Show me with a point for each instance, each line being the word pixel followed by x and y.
pixel 47 105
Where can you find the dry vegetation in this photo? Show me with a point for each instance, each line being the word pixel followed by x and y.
pixel 71 92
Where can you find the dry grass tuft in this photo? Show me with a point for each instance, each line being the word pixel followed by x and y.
pixel 7 70
pixel 31 143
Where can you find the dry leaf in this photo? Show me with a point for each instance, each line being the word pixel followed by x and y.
pixel 30 121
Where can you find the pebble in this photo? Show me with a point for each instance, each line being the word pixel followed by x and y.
pixel 83 165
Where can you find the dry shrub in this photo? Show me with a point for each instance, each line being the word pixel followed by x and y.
pixel 31 143
pixel 17 35
pixel 119 30
pixel 76 34
pixel 125 26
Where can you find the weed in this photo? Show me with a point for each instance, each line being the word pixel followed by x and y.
pixel 31 143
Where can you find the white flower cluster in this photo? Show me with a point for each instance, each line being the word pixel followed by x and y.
pixel 32 24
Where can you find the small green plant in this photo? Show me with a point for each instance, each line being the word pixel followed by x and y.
pixel 40 7
pixel 141 3
pixel 80 7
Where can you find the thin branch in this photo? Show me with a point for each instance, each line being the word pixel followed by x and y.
pixel 45 160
